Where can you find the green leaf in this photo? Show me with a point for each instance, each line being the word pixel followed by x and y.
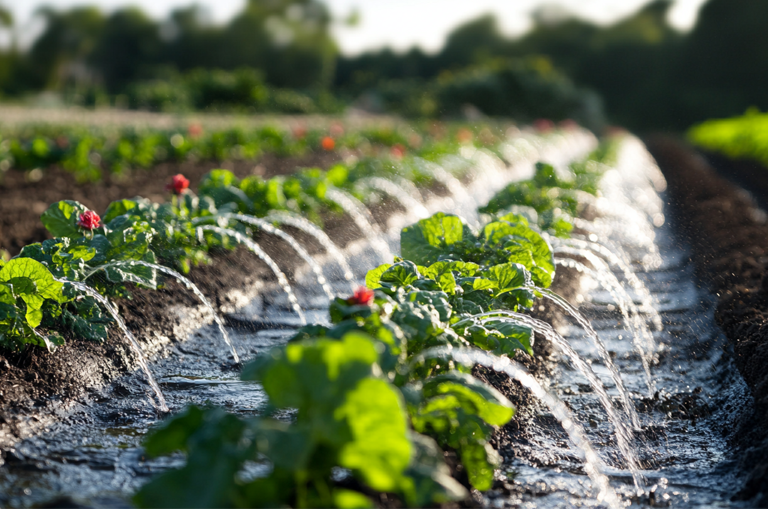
pixel 301 372
pixel 222 187
pixel 340 310
pixel 425 241
pixel 380 450
pixel 128 239
pixel 229 195
pixel 289 447
pixel 216 452
pixel 218 178
pixel 442 273
pixel 344 498
pixel 337 175
pixel 438 300
pixel 506 277
pixel 32 282
pixel 475 396
pixel 513 336
pixel 23 285
pixel 86 319
pixel 60 219
pixel 401 274
pixel 34 317
pixel 428 478
pixel 373 276
pixel 6 295
pixel 118 208
pixel 479 459
pixel 483 284
pixel 523 245
pixel 134 273
pixel 545 176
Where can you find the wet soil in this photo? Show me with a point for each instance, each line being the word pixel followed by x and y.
pixel 728 236
pixel 35 385
pixel 23 200
pixel 747 173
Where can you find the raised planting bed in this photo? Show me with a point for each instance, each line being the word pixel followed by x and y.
pixel 728 235
pixel 406 392
pixel 29 384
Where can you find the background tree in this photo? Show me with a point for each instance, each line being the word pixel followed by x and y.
pixel 64 48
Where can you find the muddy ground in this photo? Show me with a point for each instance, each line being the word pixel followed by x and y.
pixel 729 240
pixel 36 385
pixel 23 200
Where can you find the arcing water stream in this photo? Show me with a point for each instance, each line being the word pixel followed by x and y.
pixel 676 455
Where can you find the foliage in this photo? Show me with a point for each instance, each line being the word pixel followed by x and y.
pixel 373 407
pixel 551 198
pixel 88 153
pixel 736 137
pixel 135 232
pixel 241 90
pixel 366 389
pixel 372 353
pixel 26 289
pixel 348 416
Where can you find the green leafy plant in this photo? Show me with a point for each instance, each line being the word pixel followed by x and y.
pixel 372 405
pixel 27 290
pixel 551 199
pixel 348 417
pixel 735 137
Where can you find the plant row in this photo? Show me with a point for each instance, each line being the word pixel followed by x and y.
pixel 745 136
pixel 366 402
pixel 89 152
pixel 375 398
pixel 109 250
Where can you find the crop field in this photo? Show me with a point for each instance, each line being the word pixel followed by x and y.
pixel 738 137
pixel 334 312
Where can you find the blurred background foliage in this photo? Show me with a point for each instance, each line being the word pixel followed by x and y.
pixel 280 56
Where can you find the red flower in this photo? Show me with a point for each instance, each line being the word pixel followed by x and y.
pixel 543 125
pixel 178 184
pixel 299 132
pixel 464 135
pixel 328 143
pixel 362 296
pixel 88 220
pixel 195 130
pixel 397 151
pixel 336 129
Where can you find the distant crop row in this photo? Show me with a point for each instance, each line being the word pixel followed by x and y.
pixel 366 400
pixel 89 152
pixel 745 136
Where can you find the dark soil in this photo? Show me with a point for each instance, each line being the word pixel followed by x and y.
pixel 22 201
pixel 729 239
pixel 34 383
pixel 747 173
pixel 517 432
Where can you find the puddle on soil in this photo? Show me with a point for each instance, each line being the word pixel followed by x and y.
pixel 683 447
pixel 93 456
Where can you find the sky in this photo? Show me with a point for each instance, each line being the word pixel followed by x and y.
pixel 399 24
